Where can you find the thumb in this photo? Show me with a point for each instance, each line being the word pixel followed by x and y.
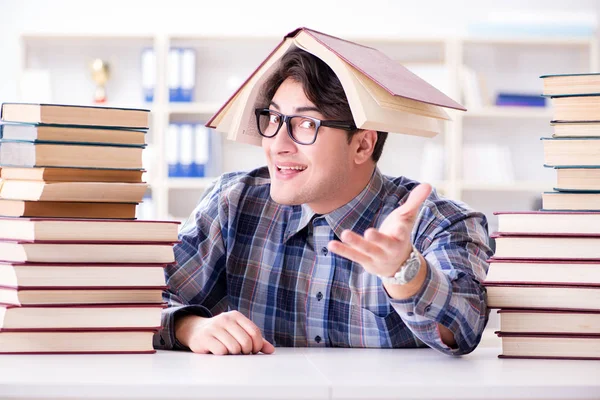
pixel 415 199
pixel 267 348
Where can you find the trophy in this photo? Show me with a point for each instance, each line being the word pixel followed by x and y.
pixel 100 75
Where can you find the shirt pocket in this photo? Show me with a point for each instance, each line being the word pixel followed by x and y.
pixel 370 329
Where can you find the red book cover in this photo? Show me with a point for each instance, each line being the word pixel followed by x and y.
pixel 387 73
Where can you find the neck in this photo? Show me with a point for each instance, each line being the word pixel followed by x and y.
pixel 359 180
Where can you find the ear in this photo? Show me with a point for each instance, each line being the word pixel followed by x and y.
pixel 364 144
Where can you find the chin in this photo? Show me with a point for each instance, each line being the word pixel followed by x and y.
pixel 285 199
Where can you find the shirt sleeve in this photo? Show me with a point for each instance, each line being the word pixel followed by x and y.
pixel 196 282
pixel 454 243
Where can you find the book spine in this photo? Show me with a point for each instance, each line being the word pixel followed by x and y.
pixel 188 74
pixel 148 74
pixel 172 149
pixel 507 99
pixel 186 150
pixel 174 74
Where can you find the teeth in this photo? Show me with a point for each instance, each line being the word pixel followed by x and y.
pixel 294 168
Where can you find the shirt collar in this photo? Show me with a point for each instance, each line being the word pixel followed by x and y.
pixel 356 215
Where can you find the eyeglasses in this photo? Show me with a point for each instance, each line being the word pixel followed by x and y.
pixel 302 129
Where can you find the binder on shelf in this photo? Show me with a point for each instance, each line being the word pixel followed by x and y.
pixel 201 150
pixel 148 74
pixel 188 74
pixel 172 150
pixel 174 74
pixel 186 150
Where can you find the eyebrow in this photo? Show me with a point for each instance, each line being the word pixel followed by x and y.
pixel 299 109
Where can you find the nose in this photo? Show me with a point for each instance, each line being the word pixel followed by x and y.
pixel 282 142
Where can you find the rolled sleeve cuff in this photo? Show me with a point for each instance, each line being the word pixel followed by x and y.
pixel 423 311
pixel 165 339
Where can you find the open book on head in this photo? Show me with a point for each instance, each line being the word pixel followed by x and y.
pixel 382 94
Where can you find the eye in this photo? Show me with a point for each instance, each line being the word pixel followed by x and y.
pixel 274 118
pixel 307 124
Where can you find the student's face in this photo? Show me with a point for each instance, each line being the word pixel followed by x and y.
pixel 314 174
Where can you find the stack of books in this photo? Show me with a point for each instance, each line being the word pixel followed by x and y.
pixel 78 274
pixel 545 274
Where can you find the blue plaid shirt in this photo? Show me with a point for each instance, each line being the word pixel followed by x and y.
pixel 242 251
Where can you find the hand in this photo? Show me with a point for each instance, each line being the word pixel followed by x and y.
pixel 383 251
pixel 227 333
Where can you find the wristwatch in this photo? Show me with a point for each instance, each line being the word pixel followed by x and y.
pixel 407 271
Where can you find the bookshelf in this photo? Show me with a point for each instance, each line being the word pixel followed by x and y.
pixel 223 63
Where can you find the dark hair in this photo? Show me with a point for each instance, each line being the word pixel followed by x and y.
pixel 321 86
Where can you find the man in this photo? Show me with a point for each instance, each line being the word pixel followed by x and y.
pixel 319 248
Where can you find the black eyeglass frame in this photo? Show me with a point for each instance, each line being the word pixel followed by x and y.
pixel 344 125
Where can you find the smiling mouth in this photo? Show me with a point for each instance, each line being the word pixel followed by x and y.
pixel 296 168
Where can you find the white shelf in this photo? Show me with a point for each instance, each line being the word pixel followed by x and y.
pixel 189 183
pixel 506 187
pixel 510 112
pixel 544 41
pixel 193 108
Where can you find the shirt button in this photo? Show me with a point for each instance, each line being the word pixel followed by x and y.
pixel 428 308
pixel 410 313
pixel 319 296
pixel 318 339
pixel 324 251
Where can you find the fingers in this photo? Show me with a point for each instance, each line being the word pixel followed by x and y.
pixel 230 333
pixel 211 345
pixel 253 333
pixel 415 199
pixel 267 348
pixel 232 345
pixel 242 337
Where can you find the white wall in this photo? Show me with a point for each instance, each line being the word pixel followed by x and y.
pixel 338 17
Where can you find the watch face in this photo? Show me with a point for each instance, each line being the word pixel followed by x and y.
pixel 412 269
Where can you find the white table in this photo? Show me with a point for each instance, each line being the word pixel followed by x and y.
pixel 299 374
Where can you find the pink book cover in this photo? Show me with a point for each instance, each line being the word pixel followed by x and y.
pixel 545 212
pixel 86 220
pixel 500 235
pixel 387 73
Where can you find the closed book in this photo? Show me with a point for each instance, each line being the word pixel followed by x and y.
pixel 571 151
pixel 571 84
pixel 542 295
pixel 88 230
pixel 548 246
pixel 50 275
pixel 577 178
pixel 574 322
pixel 571 201
pixel 66 209
pixel 383 94
pixel 67 174
pixel 71 134
pixel 63 114
pixel 576 107
pixel 31 154
pixel 536 222
pixel 506 271
pixel 80 316
pixel 102 192
pixel 74 252
pixel 520 100
pixel 576 129
pixel 569 347
pixel 78 341
pixel 35 295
